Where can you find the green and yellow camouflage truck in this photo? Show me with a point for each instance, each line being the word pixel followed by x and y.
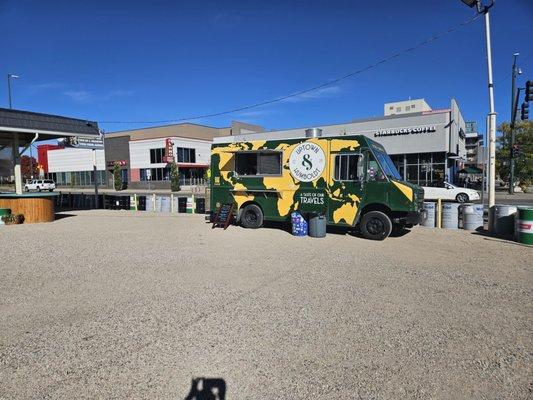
pixel 350 179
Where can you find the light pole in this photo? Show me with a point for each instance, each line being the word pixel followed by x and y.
pixel 9 77
pixel 484 9
pixel 514 104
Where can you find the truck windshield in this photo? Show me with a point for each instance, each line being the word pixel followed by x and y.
pixel 387 165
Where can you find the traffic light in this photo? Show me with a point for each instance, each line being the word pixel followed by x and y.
pixel 525 111
pixel 516 151
pixel 529 91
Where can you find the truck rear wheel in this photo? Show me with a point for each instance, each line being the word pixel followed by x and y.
pixel 376 225
pixel 252 217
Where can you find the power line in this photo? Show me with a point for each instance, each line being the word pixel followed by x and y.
pixel 301 92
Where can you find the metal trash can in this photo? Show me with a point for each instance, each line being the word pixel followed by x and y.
pixel 503 221
pixel 430 207
pixel 182 204
pixel 450 215
pixel 299 224
pixel 524 225
pixel 141 203
pixel 200 205
pixel 472 216
pixel 317 225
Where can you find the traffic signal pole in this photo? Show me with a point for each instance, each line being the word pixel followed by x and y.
pixel 512 153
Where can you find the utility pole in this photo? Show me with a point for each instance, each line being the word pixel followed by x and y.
pixel 514 104
pixel 484 9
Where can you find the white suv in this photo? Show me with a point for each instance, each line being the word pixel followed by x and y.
pixel 40 184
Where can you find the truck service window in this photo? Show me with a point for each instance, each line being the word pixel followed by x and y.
pixel 348 167
pixel 258 163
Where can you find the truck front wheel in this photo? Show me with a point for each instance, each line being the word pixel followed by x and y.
pixel 376 225
pixel 252 217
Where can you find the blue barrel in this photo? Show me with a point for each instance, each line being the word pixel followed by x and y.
pixel 299 224
pixel 450 215
pixel 165 204
pixel 158 203
pixel 149 205
pixel 472 216
pixel 430 208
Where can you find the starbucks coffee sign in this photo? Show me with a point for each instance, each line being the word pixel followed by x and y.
pixel 307 162
pixel 406 131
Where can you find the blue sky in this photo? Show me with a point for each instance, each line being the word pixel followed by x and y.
pixel 161 60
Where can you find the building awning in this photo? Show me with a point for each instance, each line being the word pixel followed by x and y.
pixel 188 165
pixel 471 170
pixel 21 128
pixel 27 124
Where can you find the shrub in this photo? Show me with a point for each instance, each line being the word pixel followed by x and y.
pixel 117 179
pixel 174 177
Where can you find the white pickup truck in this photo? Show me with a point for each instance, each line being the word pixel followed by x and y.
pixel 39 185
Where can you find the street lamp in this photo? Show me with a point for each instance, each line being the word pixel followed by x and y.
pixel 9 77
pixel 484 9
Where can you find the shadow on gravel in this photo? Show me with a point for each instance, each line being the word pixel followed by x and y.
pixel 494 237
pixel 334 230
pixel 63 215
pixel 207 389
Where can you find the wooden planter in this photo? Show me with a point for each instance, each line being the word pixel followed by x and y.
pixel 34 207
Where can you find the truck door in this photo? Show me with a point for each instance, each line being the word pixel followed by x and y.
pixel 347 189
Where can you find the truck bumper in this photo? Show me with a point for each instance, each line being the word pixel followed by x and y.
pixel 411 218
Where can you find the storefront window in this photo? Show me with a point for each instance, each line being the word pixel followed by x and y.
pixel 412 158
pixel 412 174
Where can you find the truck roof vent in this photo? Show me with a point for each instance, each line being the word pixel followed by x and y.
pixel 313 132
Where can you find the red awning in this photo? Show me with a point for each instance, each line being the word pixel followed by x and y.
pixel 188 165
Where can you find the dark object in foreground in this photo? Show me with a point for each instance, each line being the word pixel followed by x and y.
pixel 207 389
pixel 223 216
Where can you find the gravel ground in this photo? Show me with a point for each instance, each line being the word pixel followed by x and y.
pixel 124 305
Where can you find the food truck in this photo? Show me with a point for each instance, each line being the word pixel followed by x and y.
pixel 350 179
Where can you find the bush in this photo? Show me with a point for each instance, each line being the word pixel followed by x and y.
pixel 13 219
pixel 117 179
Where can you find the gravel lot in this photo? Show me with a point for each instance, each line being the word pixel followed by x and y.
pixel 105 304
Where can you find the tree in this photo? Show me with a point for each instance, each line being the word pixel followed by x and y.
pixel 117 178
pixel 28 167
pixel 523 163
pixel 174 177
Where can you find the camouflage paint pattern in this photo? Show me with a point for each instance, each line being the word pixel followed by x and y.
pixel 279 195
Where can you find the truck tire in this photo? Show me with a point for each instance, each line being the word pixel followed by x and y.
pixel 252 216
pixel 376 225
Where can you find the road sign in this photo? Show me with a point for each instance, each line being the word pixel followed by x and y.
pixel 81 142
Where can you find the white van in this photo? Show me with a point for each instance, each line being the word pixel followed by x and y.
pixel 40 184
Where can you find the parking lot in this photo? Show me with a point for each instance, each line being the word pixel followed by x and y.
pixel 118 304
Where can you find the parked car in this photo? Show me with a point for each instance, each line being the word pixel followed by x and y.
pixel 40 184
pixel 447 191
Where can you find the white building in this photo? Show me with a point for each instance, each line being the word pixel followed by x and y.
pixel 69 166
pixel 405 107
